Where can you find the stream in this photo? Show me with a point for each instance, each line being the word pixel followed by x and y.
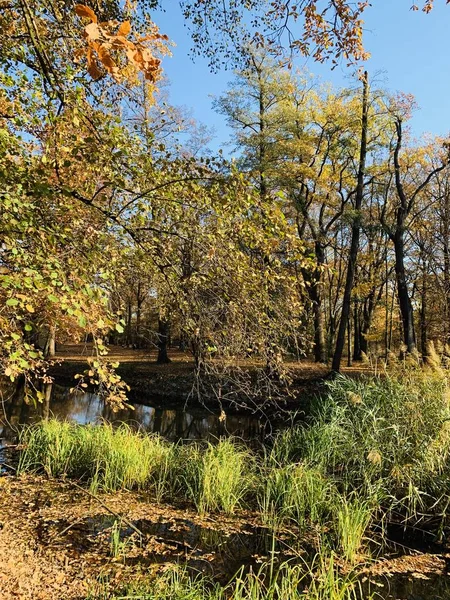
pixel 171 420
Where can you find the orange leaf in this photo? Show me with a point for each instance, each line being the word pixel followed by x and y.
pixel 93 69
pixel 85 11
pixel 93 31
pixel 125 28
pixel 106 60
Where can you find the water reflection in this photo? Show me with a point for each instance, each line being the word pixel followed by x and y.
pixel 174 423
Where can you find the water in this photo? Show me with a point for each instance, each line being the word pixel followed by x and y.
pixel 172 421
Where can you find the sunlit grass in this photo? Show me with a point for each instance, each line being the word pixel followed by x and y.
pixel 319 581
pixel 218 477
pixel 353 517
pixel 108 458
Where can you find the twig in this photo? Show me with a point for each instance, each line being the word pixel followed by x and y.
pixel 66 529
pixel 110 510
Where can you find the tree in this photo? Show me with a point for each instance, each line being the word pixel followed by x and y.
pixel 356 227
pixel 410 178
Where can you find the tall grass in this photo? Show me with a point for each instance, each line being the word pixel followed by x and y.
pixel 108 458
pixel 214 477
pixel 353 518
pixel 219 477
pixel 297 493
pixel 385 438
pixel 321 581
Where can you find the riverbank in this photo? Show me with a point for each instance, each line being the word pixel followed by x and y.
pixel 57 542
pixel 319 511
pixel 176 382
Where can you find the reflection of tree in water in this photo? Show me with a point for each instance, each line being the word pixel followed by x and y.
pixel 85 407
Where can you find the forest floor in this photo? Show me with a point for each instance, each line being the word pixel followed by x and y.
pixel 183 361
pixel 56 542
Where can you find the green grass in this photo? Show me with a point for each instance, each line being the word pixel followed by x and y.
pixel 321 581
pixel 214 477
pixel 107 458
pixel 353 517
pixel 296 493
pixel 218 477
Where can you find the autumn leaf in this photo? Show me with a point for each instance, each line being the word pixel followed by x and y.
pixel 86 12
pixel 125 28
pixel 93 31
pixel 93 69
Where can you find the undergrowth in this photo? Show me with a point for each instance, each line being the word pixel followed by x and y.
pixel 373 450
pixel 319 581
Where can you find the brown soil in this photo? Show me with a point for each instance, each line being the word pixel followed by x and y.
pixel 55 539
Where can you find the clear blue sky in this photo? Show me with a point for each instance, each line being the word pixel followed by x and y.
pixel 410 53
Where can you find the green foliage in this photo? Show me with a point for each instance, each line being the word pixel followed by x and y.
pixel 108 458
pixel 219 477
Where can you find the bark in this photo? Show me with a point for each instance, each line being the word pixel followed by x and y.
pixel 139 302
pixel 357 333
pixel 46 403
pixel 356 228
pixel 315 295
pixel 423 312
pixel 404 301
pixel 163 339
pixel 50 345
pixel 129 330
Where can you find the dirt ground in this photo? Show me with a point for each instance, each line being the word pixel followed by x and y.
pixel 55 539
pixel 55 542
pixel 183 361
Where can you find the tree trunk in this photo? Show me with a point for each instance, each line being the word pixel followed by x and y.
pixel 406 309
pixel 163 339
pixel 50 345
pixel 356 227
pixel 315 295
pixel 357 333
pixel 423 312
pixel 139 302
pixel 46 402
pixel 129 330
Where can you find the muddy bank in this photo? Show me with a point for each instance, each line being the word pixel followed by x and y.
pixel 57 541
pixel 176 382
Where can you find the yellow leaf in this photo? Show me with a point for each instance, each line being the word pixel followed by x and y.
pixel 29 308
pixel 93 31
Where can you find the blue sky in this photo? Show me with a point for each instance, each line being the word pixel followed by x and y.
pixel 410 53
